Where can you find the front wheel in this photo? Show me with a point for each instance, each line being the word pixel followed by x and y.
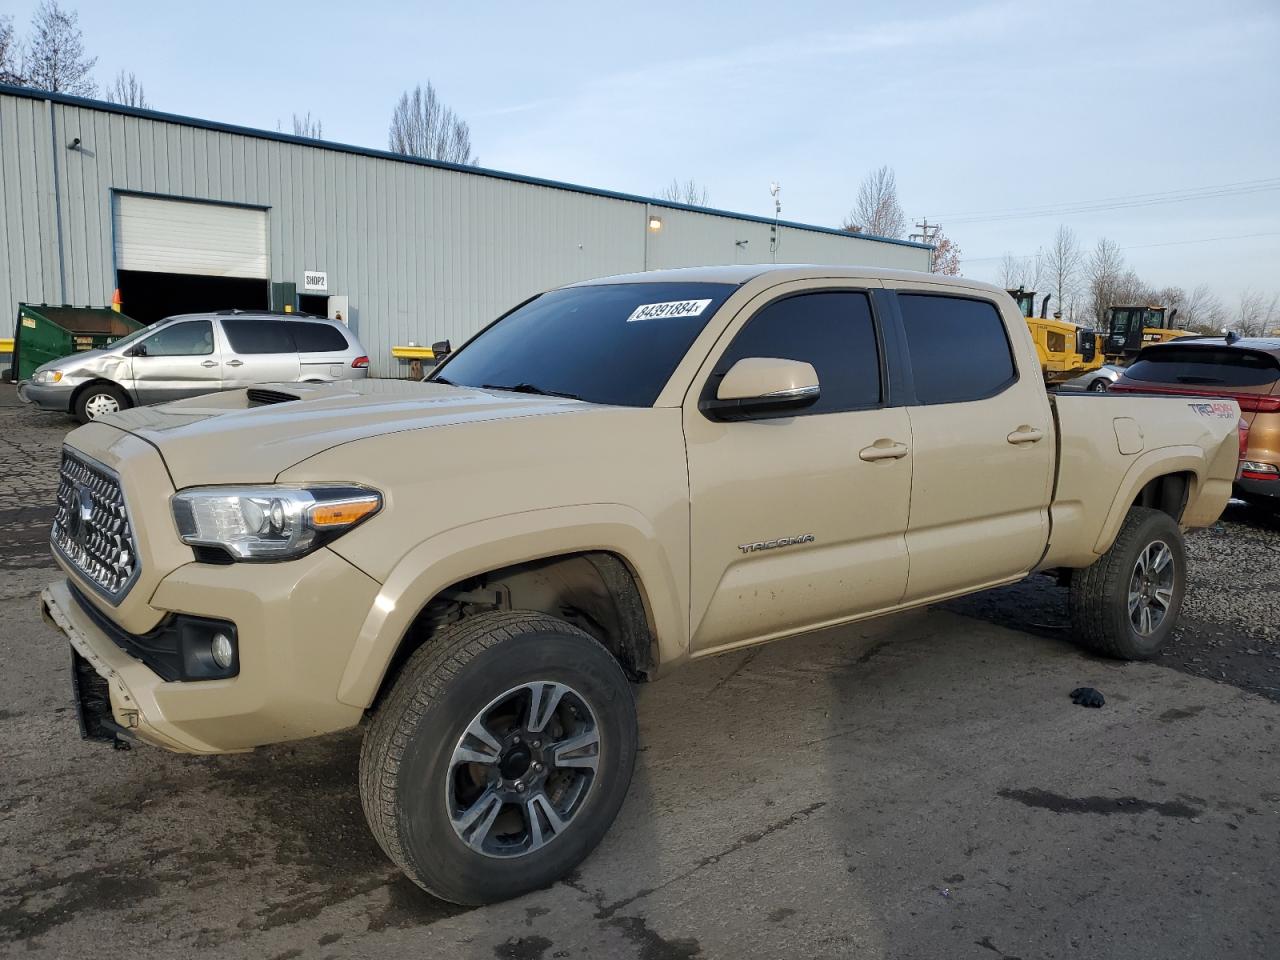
pixel 99 399
pixel 1126 604
pixel 1099 386
pixel 500 757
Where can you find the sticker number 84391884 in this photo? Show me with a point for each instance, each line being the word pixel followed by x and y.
pixel 672 308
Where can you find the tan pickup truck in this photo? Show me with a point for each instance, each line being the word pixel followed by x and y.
pixel 611 479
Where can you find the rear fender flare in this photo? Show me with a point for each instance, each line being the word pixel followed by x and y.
pixel 1147 467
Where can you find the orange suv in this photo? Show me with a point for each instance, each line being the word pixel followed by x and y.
pixel 1246 370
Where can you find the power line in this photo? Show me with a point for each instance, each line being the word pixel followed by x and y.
pixel 1136 246
pixel 1240 188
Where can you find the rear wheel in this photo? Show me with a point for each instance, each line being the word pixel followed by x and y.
pixel 99 399
pixel 500 757
pixel 1126 604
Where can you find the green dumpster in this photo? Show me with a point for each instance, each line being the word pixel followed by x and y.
pixel 45 332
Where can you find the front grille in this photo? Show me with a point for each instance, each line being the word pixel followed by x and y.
pixel 91 528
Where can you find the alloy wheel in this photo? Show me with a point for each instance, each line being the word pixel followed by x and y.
pixel 523 769
pixel 1151 588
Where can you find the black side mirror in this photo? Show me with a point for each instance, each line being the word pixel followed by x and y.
pixel 441 349
pixel 139 351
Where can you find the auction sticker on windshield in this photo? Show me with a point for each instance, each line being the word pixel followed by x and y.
pixel 672 308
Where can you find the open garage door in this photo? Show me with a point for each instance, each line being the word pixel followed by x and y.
pixel 182 256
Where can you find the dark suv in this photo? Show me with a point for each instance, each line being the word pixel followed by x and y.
pixel 1246 370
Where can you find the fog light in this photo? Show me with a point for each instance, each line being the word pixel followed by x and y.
pixel 221 650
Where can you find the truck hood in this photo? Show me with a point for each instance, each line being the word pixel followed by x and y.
pixel 251 436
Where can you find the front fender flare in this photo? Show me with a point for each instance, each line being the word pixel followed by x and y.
pixel 472 549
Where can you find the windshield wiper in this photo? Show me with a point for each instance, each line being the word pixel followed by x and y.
pixel 447 383
pixel 529 388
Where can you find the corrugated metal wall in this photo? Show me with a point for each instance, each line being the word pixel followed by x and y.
pixel 423 252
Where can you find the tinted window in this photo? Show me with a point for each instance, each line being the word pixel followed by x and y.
pixel 959 350
pixel 318 338
pixel 193 338
pixel 258 335
pixel 1205 366
pixel 608 343
pixel 832 331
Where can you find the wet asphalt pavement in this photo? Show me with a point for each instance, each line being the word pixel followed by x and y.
pixel 917 787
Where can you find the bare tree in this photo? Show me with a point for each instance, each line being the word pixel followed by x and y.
pixel 1062 269
pixel 55 59
pixel 1199 310
pixel 1105 269
pixel 1257 314
pixel 10 54
pixel 877 210
pixel 422 126
pixel 308 126
pixel 946 255
pixel 1024 272
pixel 690 192
pixel 126 91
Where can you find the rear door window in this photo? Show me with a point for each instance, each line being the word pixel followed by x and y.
pixel 1204 366
pixel 257 335
pixel 318 338
pixel 833 330
pixel 958 347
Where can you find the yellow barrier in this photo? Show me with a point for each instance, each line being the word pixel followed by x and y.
pixel 6 344
pixel 413 353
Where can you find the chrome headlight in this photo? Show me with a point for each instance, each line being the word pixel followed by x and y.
pixel 271 522
pixel 46 376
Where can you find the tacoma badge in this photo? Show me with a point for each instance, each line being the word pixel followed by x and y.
pixel 774 544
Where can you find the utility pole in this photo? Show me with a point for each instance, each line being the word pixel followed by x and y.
pixel 928 234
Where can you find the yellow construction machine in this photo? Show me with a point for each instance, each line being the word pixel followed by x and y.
pixel 1066 349
pixel 1129 329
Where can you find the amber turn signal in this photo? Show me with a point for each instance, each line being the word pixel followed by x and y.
pixel 342 514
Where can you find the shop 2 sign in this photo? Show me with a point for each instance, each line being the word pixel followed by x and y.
pixel 315 280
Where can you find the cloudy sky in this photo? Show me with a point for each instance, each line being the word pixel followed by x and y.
pixel 1001 119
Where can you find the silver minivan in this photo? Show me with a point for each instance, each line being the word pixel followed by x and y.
pixel 196 353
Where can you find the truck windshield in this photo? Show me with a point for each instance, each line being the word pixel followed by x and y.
pixel 615 343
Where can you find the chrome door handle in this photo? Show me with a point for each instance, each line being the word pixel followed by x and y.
pixel 235 363
pixel 1026 434
pixel 209 363
pixel 884 449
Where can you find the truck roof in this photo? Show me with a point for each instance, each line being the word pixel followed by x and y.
pixel 742 273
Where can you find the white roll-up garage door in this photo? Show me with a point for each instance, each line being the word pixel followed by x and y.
pixel 181 236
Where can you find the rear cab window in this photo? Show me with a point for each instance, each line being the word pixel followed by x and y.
pixel 958 347
pixel 612 343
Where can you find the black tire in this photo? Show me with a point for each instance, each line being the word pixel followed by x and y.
pixel 1100 594
pixel 91 398
pixel 1099 385
pixel 407 761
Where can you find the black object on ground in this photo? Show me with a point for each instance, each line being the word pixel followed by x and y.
pixel 1087 697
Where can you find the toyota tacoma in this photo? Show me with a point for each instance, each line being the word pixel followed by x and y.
pixel 608 481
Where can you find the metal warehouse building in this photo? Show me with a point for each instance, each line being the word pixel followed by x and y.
pixel 182 214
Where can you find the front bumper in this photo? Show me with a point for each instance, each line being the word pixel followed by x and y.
pixel 297 623
pixel 47 396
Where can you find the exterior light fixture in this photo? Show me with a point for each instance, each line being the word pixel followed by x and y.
pixel 655 224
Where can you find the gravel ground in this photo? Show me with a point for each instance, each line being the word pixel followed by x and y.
pixel 1230 625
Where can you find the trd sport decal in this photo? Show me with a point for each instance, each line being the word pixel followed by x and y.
pixel 774 544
